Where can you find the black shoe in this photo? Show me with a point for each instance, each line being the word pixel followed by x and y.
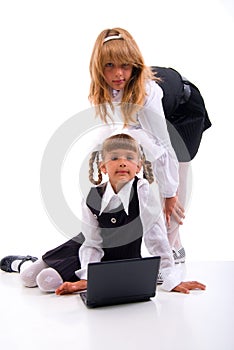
pixel 5 263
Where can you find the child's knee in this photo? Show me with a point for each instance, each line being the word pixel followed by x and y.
pixel 48 280
pixel 28 274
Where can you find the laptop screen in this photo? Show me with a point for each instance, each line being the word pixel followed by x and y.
pixel 120 281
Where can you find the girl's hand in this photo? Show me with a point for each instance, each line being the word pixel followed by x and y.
pixel 173 207
pixel 71 287
pixel 185 287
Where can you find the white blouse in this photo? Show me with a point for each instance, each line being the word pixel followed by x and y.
pixel 154 229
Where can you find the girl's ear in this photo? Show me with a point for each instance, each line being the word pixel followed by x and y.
pixel 139 166
pixel 102 167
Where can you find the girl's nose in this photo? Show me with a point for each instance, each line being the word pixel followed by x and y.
pixel 118 71
pixel 122 162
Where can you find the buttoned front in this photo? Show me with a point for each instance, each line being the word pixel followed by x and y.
pixel 119 223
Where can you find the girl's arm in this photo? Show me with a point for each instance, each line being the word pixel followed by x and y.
pixel 153 122
pixel 153 117
pixel 91 250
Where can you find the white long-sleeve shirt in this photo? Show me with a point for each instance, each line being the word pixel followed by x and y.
pixel 154 230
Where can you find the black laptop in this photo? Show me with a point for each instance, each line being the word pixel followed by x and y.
pixel 121 281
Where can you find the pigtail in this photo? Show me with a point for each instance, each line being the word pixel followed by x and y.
pixel 147 167
pixel 94 155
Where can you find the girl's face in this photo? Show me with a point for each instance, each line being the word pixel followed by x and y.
pixel 117 76
pixel 121 165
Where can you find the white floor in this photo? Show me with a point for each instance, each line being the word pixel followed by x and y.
pixel 45 81
pixel 202 320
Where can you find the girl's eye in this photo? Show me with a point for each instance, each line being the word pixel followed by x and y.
pixel 125 65
pixel 129 158
pixel 109 64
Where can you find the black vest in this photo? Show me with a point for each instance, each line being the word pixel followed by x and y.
pixel 121 233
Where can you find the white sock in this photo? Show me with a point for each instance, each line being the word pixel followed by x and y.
pixel 48 280
pixel 15 265
pixel 29 272
pixel 25 265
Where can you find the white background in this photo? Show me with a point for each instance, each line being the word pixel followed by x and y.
pixel 44 80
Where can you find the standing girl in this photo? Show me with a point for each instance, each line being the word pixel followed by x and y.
pixel 120 80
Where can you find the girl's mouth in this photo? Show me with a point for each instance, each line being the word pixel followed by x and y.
pixel 120 81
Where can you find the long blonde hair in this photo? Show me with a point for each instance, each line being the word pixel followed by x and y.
pixel 120 51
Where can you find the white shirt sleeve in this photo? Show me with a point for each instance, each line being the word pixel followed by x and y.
pixel 155 233
pixel 153 119
pixel 91 250
pixel 153 122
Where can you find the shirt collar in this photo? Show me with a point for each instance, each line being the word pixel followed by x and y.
pixel 116 95
pixel 123 195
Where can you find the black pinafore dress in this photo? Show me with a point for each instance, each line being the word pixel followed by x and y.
pixel 121 233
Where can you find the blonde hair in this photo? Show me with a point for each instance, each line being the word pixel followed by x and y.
pixel 120 51
pixel 122 141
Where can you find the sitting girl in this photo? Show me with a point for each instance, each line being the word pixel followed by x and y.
pixel 116 216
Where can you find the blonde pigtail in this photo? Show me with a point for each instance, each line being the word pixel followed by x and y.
pixel 94 155
pixel 147 168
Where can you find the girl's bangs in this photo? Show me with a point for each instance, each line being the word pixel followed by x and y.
pixel 120 143
pixel 117 52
